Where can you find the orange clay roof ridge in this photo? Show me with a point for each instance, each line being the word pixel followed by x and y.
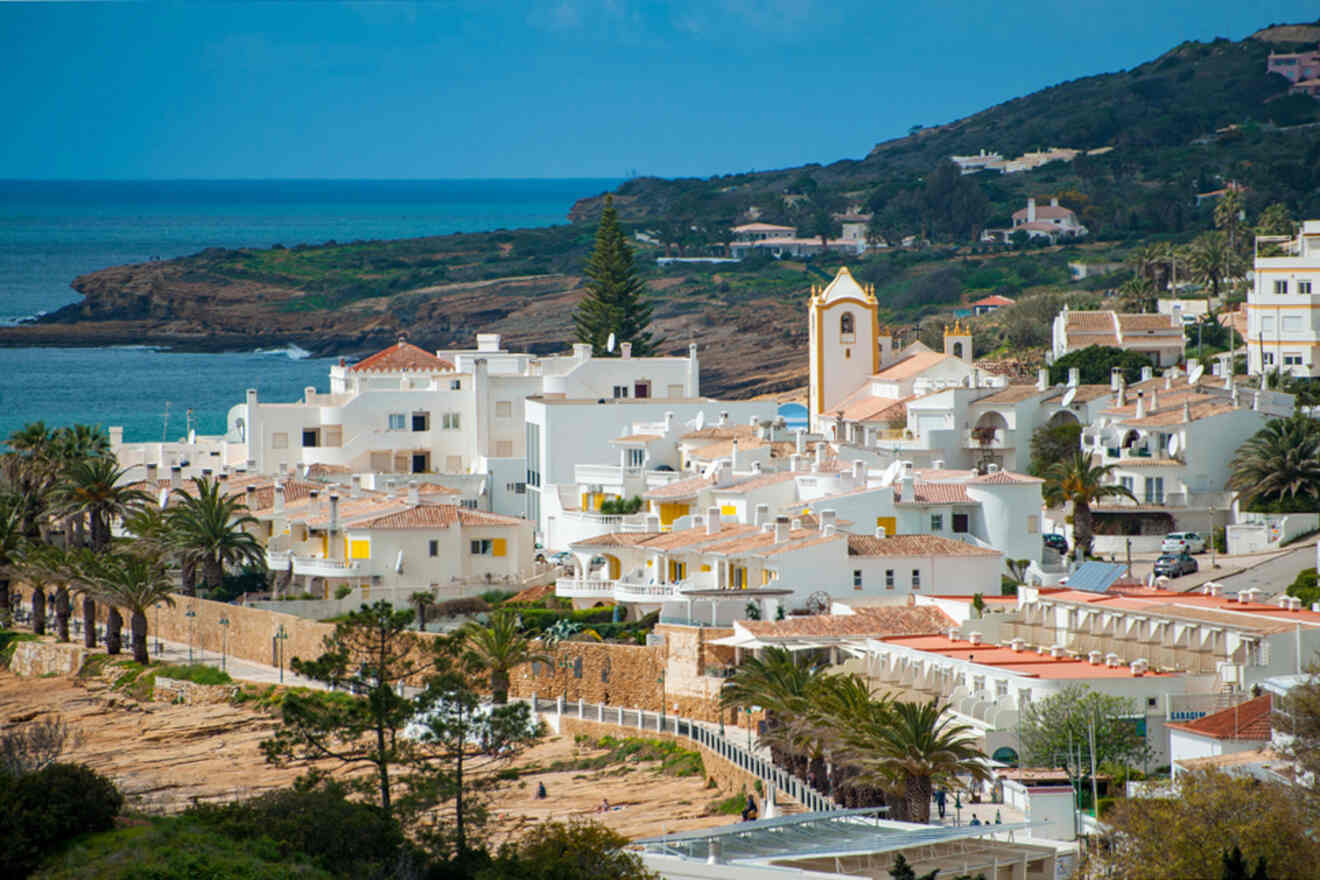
pixel 402 356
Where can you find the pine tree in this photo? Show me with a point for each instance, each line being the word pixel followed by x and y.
pixel 615 300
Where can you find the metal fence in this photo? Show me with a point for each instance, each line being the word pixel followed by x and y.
pixel 702 733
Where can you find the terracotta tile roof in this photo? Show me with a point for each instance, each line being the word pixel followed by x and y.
pixel 319 470
pixel 636 438
pixel 1174 415
pixel 1246 721
pixel 724 448
pixel 1011 394
pixel 934 493
pixel 684 488
pixel 1130 323
pixel 720 432
pixel 437 516
pixel 876 621
pixel 811 538
pixel 1004 478
pixel 1096 322
pixel 1088 393
pixel 402 357
pixel 690 539
pixel 913 545
pixel 437 489
pixel 995 299
pixel 760 482
pixel 1045 211
pixel 911 366
pixel 615 539
pixel 533 594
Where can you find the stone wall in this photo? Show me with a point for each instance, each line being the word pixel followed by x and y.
pixel 35 659
pixel 173 690
pixel 598 672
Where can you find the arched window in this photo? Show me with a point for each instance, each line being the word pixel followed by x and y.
pixel 957 349
pixel 846 327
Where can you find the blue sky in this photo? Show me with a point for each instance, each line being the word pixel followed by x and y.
pixel 578 88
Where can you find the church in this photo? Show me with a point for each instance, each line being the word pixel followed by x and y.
pixel 860 385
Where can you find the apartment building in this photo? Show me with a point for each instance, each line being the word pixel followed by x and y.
pixel 1283 322
pixel 1159 337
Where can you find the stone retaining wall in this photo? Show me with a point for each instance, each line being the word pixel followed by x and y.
pixel 35 659
pixel 173 690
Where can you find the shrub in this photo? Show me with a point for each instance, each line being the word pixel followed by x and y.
pixel 197 673
pixel 311 823
pixel 1305 587
pixel 342 592
pixel 8 642
pixel 460 607
pixel 44 809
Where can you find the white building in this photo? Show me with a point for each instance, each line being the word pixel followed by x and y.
pixel 1053 222
pixel 1283 321
pixel 1159 337
pixel 1244 727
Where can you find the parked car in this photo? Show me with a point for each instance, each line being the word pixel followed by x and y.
pixel 563 557
pixel 1183 542
pixel 1175 565
pixel 1056 542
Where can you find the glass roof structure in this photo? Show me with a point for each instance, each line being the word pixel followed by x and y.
pixel 836 832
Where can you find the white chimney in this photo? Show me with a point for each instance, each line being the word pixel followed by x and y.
pixel 1031 210
pixel 794 463
pixel 820 456
pixel 1255 400
pixel 1057 651
pixel 355 486
pixel 1154 401
pixel 1113 661
pixel 909 488
pixel 881 532
pixel 1018 645
pixel 859 472
pixel 937 464
pixel 279 498
pixel 414 495
pixel 653 522
pixel 1074 377
pixel 762 515
pixel 733 454
pixel 1140 666
pixel 334 519
pixel 712 520
pixel 1168 381
pixel 1054 202
pixel 724 418
pixel 799 440
pixel 781 529
pixel 795 524
pixel 1147 373
pixel 1095 657
pixel 1211 588
pixel 756 467
pixel 1187 410
pixel 1141 404
pixel 669 423
pixel 176 477
pixel 1247 596
pixel 827 520
pixel 250 496
pixel 1042 379
pixel 625 350
pixel 1115 377
pixel 309 393
pixel 953 633
pixel 974 637
pixel 152 477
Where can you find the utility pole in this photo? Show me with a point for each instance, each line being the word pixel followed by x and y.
pixel 1095 786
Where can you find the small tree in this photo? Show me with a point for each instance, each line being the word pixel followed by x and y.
pixel 579 849
pixel 1057 731
pixel 499 648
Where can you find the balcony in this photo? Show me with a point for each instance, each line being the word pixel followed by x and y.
pixel 974 439
pixel 619 591
pixel 312 566
pixel 605 474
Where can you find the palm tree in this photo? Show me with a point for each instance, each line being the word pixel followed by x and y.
pixel 1280 465
pixel 1228 216
pixel 32 466
pixel 11 541
pixel 499 648
pixel 840 703
pixel 1211 259
pixel 39 566
pixel 1082 483
pixel 209 533
pixel 90 488
pixel 134 583
pixel 1137 295
pixel 73 566
pixel 780 681
pixel 913 746
pixel 78 442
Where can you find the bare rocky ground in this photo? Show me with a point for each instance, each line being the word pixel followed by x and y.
pixel 163 756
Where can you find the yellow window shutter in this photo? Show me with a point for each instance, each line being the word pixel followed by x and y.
pixel 498 546
pixel 359 548
pixel 728 510
pixel 705 567
pixel 765 577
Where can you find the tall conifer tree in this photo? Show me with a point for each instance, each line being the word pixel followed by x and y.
pixel 615 300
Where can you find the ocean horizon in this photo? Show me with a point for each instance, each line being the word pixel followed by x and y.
pixel 52 231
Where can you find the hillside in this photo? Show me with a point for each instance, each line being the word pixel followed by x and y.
pixel 1183 123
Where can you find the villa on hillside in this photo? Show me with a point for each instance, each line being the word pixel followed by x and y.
pixel 1160 337
pixel 1302 69
pixel 1053 222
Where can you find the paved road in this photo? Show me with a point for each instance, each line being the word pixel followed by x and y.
pixel 1275 575
pixel 243 670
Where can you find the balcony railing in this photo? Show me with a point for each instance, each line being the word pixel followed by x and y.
pixel 621 591
pixel 312 566
pixel 584 588
pixel 608 474
pixel 974 439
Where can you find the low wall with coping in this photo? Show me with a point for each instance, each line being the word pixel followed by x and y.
pixel 35 659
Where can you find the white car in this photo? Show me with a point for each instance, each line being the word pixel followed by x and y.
pixel 1183 542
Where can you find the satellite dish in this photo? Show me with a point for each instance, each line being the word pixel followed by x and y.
pixel 1068 396
pixel 1195 375
pixel 701 420
pixel 1173 445
pixel 609 343
pixel 818 603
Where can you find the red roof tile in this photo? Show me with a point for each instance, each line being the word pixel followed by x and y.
pixel 1249 720
pixel 402 356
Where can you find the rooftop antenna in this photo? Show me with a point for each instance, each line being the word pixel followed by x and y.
pixel 165 423
pixel 609 344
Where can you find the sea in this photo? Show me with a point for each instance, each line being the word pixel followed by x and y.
pixel 53 231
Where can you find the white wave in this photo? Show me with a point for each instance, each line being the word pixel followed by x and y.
pixel 291 351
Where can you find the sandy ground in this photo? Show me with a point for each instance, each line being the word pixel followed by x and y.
pixel 643 802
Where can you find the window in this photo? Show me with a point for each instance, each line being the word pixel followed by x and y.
pixel 857 578
pixel 577 667
pixel 1154 490
pixel 311 438
pixel 481 547
pixel 937 522
pixel 279 440
pixel 421 421
pixel 1280 286
pixel 636 457
pixel 504 409
pixel 620 391
pixel 433 548
pixel 642 389
pixel 471 504
pixel 450 421
pixel 1304 287
pixel 889 578
pixel 847 327
pixel 1001 689
pixel 455 385
pixel 1126 483
pixel 504 449
pixel 398 422
pixel 1268 358
pixel 960 523
pixel 516 488
pixel 916 579
pixel 1291 359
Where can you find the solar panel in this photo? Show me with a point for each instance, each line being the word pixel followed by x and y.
pixel 1095 577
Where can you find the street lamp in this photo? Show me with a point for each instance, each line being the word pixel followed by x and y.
pixel 661 681
pixel 277 645
pixel 190 614
pixel 224 643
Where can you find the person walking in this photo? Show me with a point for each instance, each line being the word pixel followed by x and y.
pixel 749 809
pixel 940 800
